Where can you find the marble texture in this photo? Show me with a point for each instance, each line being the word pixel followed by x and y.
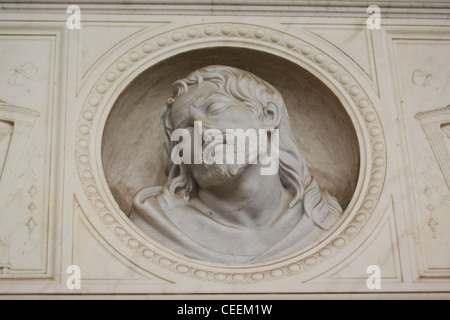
pixel 232 211
pixel 79 138
pixel 313 108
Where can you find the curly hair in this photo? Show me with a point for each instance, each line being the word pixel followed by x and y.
pixel 321 207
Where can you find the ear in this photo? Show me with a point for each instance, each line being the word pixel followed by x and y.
pixel 271 116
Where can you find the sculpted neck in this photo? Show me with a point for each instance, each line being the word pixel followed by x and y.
pixel 251 200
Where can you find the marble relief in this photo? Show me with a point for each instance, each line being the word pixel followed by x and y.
pixel 231 212
pixel 261 148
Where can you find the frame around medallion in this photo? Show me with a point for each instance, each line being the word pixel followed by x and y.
pixel 108 218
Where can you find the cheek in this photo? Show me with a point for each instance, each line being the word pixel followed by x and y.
pixel 180 120
pixel 239 118
pixel 246 115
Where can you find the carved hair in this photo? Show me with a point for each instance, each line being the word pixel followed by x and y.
pixel 318 204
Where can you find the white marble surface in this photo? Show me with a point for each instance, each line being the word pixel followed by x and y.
pixel 64 207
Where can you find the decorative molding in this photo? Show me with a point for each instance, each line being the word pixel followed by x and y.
pixel 116 41
pixel 432 123
pixel 45 44
pixel 4 258
pixel 424 78
pixel 23 121
pixel 149 51
pixel 420 66
pixel 285 8
pixel 6 129
pixel 340 36
pixel 110 267
pixel 430 207
pixel 381 248
pixel 23 73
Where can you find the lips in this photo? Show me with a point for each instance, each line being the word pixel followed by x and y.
pixel 223 148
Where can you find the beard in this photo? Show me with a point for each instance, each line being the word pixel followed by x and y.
pixel 212 175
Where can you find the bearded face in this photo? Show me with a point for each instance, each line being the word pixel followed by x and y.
pixel 221 152
pixel 224 157
pixel 213 175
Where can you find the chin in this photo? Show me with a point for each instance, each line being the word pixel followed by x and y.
pixel 213 175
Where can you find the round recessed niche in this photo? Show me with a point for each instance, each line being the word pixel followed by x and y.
pixel 132 144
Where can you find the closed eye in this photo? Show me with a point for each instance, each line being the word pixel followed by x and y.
pixel 217 103
pixel 217 108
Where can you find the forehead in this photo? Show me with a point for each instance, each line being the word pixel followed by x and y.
pixel 195 96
